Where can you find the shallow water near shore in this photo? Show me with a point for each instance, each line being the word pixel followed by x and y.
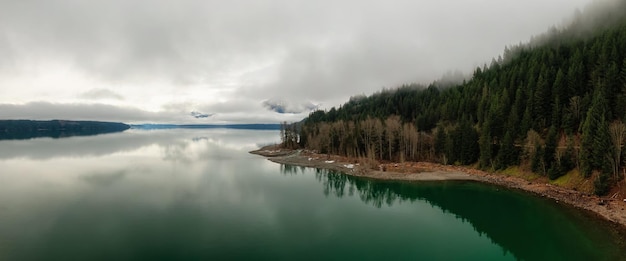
pixel 198 195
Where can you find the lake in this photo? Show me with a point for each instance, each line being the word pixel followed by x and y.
pixel 198 195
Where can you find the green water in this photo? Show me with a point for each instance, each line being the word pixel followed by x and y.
pixel 198 195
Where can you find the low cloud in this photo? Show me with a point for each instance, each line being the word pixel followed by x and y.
pixel 199 115
pixel 282 106
pixel 80 111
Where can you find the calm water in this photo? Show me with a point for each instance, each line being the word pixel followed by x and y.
pixel 198 195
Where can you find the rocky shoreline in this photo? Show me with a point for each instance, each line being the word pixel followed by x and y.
pixel 611 209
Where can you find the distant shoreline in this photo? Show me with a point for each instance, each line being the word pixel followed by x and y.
pixel 612 210
pixel 29 129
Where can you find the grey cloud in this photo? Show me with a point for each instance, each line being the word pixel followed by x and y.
pixel 103 112
pixel 6 53
pixel 241 104
pixel 283 106
pixel 362 65
pixel 120 40
pixel 188 38
pixel 100 94
pixel 321 51
pixel 200 115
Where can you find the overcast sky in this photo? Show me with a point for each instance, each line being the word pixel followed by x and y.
pixel 159 60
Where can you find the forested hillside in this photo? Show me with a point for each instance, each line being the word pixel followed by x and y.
pixel 555 104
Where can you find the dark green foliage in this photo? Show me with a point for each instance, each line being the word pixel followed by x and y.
pixel 536 163
pixel 554 172
pixel 452 152
pixel 601 184
pixel 526 123
pixel 550 149
pixel 563 164
pixel 462 144
pixel 486 143
pixel 440 140
pixel 566 162
pixel 623 74
pixel 507 155
pixel 561 90
pixel 595 144
pixel 542 103
pixel 600 152
pixel 468 143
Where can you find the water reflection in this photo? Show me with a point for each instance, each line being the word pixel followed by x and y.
pixel 531 228
pixel 126 196
pixel 104 179
pixel 291 169
pixel 47 148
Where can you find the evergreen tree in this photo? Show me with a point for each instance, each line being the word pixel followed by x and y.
pixel 526 123
pixel 485 145
pixel 542 102
pixel 602 155
pixel 623 73
pixel 452 150
pixel 440 140
pixel 560 89
pixel 468 143
pixel 515 116
pixel 557 113
pixel 601 184
pixel 566 162
pixel 595 138
pixel 575 75
pixel 550 150
pixel 536 164
pixel 507 155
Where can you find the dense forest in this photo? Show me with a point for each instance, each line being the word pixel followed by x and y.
pixel 553 105
pixel 28 129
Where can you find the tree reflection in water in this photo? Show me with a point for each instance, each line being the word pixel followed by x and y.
pixel 509 218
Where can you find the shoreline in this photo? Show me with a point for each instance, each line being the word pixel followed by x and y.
pixel 612 210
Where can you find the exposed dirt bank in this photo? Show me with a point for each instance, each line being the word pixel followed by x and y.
pixel 611 209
